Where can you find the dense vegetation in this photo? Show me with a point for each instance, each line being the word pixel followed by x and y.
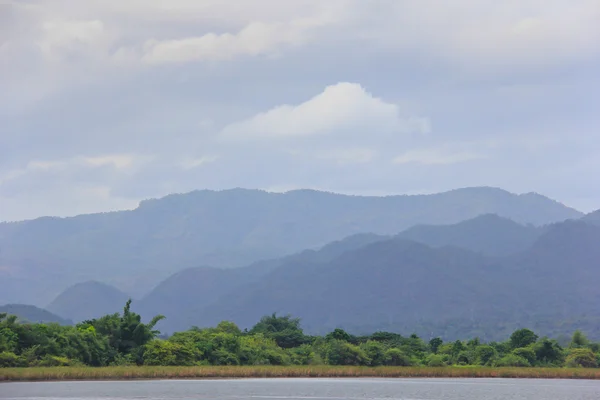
pixel 123 339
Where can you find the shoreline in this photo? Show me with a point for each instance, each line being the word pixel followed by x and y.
pixel 37 374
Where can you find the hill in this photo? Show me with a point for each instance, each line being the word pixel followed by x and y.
pixel 404 286
pixel 28 313
pixel 88 300
pixel 183 295
pixel 592 218
pixel 487 234
pixel 134 250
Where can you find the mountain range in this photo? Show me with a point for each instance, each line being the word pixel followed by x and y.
pixel 417 281
pixel 135 250
pixel 477 261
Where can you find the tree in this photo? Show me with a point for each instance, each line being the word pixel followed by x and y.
pixel 338 334
pixel 164 352
pixel 581 358
pixel 340 352
pixel 578 340
pixel 397 357
pixel 548 352
pixel 522 338
pixel 375 351
pixel 527 353
pixel 512 360
pixel 285 330
pixel 434 344
pixel 485 354
pixel 126 332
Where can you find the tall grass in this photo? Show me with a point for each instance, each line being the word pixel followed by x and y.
pixel 124 373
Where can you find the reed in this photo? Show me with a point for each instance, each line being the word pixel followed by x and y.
pixel 208 372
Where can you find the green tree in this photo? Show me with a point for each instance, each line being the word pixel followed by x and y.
pixel 579 357
pixel 527 353
pixel 522 338
pixel 397 357
pixel 338 334
pixel 485 355
pixel 375 351
pixel 434 344
pixel 512 360
pixel 285 330
pixel 340 352
pixel 579 340
pixel 548 352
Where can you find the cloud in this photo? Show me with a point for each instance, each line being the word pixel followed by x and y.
pixel 255 39
pixel 435 157
pixel 341 108
pixel 139 98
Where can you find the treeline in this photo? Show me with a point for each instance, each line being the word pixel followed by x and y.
pixel 123 339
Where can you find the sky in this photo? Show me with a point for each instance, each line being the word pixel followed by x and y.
pixel 104 103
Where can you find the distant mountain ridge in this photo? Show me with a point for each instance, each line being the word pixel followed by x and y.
pixel 135 250
pixel 373 282
pixel 33 314
pixel 88 300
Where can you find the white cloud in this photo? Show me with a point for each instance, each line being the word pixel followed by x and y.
pixel 255 39
pixel 340 108
pixel 119 161
pixel 436 157
pixel 191 163
pixel 487 35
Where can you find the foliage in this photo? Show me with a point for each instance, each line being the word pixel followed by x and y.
pixel 512 360
pixel 522 338
pixel 123 340
pixel 581 358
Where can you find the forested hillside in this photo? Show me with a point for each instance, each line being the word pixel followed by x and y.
pixel 368 282
pixel 135 250
pixel 88 300
pixel 401 285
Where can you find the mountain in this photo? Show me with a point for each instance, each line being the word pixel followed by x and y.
pixel 487 234
pixel 134 250
pixel 403 286
pixel 592 218
pixel 88 300
pixel 28 313
pixel 183 295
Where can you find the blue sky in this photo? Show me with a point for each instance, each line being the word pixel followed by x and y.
pixel 109 102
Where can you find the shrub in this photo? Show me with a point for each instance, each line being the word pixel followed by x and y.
pixel 375 351
pixel 55 361
pixel 398 358
pixel 343 353
pixel 485 355
pixel 8 359
pixel 436 360
pixel 527 353
pixel 581 358
pixel 512 360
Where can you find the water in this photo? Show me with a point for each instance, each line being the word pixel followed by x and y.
pixel 312 389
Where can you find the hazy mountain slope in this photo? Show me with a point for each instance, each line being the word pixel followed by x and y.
pixel 88 300
pixel 183 295
pixel 488 234
pixel 592 218
pixel 405 286
pixel 134 250
pixel 28 313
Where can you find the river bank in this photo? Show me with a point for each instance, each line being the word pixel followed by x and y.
pixel 214 372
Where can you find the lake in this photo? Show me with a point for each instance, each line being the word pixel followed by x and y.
pixel 313 389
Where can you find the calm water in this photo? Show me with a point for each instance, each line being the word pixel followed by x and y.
pixel 313 389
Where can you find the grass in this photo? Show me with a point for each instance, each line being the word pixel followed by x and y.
pixel 146 372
